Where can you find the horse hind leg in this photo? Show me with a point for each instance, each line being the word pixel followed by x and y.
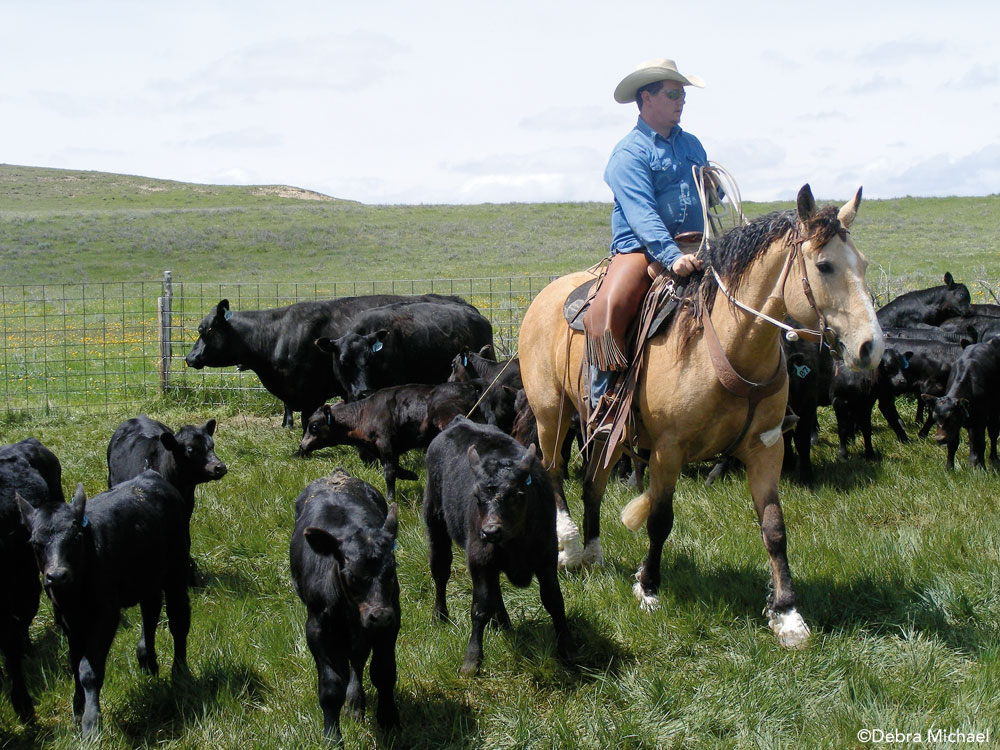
pixel 552 430
pixel 782 615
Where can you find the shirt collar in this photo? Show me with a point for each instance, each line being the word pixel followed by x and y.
pixel 643 127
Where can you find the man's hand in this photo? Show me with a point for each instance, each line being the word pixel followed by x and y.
pixel 685 265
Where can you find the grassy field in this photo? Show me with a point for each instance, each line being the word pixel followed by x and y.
pixel 895 561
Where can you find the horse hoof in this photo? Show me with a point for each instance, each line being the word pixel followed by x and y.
pixel 790 628
pixel 647 602
pixel 592 553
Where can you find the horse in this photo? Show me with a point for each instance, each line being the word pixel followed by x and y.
pixel 682 410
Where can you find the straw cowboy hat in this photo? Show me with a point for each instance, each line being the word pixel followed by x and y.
pixel 660 69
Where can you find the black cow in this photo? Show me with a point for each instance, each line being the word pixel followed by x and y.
pixel 126 546
pixel 493 498
pixel 31 471
pixel 277 344
pixel 971 400
pixel 389 423
pixel 931 305
pixel 810 373
pixel 403 343
pixel 185 458
pixel 344 570
pixel 502 381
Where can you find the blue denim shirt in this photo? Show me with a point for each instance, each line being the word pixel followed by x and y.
pixel 655 194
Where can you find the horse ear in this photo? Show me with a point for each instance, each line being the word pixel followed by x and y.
pixel 849 210
pixel 806 203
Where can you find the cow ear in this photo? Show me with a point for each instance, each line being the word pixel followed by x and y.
pixel 169 441
pixel 222 310
pixel 209 427
pixel 328 410
pixel 806 203
pixel 323 543
pixel 529 456
pixel 949 280
pixel 377 339
pixel 487 352
pixel 929 399
pixel 473 455
pixel 27 510
pixel 80 504
pixel 849 210
pixel 391 525
pixel 326 344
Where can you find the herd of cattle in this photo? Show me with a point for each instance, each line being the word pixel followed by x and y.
pixel 410 373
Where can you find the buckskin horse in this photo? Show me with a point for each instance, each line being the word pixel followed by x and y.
pixel 802 263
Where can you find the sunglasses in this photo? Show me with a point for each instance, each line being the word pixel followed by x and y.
pixel 673 94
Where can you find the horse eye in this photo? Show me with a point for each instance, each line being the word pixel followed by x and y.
pixel 824 266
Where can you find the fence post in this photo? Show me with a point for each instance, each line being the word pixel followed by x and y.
pixel 163 305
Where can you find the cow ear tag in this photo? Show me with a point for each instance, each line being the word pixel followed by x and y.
pixel 527 481
pixel 906 363
pixel 465 360
pixel 86 521
pixel 376 347
pixel 228 315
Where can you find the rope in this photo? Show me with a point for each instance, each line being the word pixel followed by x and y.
pixel 488 388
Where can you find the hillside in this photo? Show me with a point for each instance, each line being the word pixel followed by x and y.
pixel 63 226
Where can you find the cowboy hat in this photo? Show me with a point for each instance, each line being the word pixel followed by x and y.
pixel 660 69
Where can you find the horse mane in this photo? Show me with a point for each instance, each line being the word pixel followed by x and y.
pixel 735 252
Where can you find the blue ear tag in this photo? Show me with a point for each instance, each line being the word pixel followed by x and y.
pixel 395 545
pixel 527 481
pixel 86 521
pixel 228 315
pixel 329 419
pixel 465 360
pixel 802 370
pixel 906 363
pixel 376 347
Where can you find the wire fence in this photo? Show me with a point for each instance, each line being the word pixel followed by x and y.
pixel 108 347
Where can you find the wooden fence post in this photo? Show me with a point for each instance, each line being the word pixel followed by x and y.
pixel 163 305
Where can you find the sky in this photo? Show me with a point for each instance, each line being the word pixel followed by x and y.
pixel 395 102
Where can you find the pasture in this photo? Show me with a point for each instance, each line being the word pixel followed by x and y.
pixel 895 561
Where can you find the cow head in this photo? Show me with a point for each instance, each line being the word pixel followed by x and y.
pixel 359 361
pixel 323 429
pixel 365 569
pixel 193 450
pixel 956 301
pixel 502 488
pixel 950 413
pixel 216 345
pixel 59 536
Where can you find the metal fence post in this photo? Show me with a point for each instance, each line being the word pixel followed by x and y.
pixel 163 305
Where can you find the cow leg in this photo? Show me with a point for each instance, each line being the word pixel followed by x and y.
pixel 803 434
pixel 864 417
pixel 145 652
pixel 355 695
pixel 977 441
pixel 552 600
pixel 383 675
pixel 91 674
pixel 178 617
pixel 486 599
pixel 288 418
pixel 440 561
pixel 75 657
pixel 12 645
pixel 389 468
pixel 845 426
pixel 331 669
pixel 926 429
pixel 952 445
pixel 887 405
pixel 993 429
pixel 763 469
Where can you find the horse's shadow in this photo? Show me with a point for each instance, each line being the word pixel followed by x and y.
pixel 877 604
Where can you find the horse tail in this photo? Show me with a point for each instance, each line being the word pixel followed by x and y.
pixel 634 514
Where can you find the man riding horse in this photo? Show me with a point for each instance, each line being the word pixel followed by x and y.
pixel 656 201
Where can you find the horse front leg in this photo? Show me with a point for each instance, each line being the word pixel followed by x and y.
pixel 763 469
pixel 595 482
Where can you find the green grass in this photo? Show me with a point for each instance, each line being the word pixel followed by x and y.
pixel 895 564
pixel 895 561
